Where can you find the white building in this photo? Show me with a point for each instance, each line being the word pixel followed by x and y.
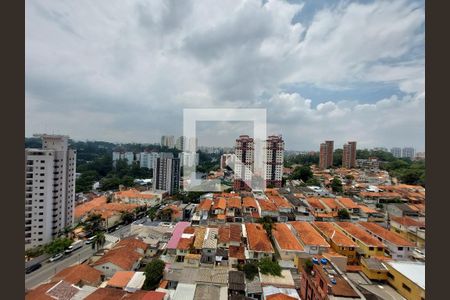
pixel 49 189
pixel 396 151
pixel 167 141
pixel 147 158
pixel 188 159
pixel 409 152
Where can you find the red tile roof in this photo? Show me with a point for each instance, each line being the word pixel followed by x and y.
pixel 235 232
pixel 185 243
pixel 219 203
pixel 387 235
pixel 257 239
pixel 205 205
pixel 315 203
pixel 154 295
pixel 106 294
pixel 120 279
pixel 249 202
pixel 330 202
pixel 329 230
pixel 280 201
pixel 267 205
pixel 280 296
pixel 39 293
pixel 285 238
pixel 236 252
pixel 124 254
pixel 224 234
pixel 347 203
pixel 234 202
pixel 308 235
pixel 79 273
pixel 360 234
pixel 407 221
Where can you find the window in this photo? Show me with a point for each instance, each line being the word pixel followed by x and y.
pixel 400 248
pixel 321 284
pixel 406 287
pixel 390 276
pixel 371 248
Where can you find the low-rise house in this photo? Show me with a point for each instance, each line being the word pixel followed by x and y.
pixel 185 244
pixel 249 206
pixel 253 288
pixel 286 243
pixel 331 206
pixel 125 256
pixel 229 234
pixel 209 247
pixel 120 279
pixel 402 210
pixel 316 206
pixel 408 278
pixel 80 275
pixel 176 236
pixel 236 255
pixel 275 293
pixel 410 228
pixel 204 208
pixel 374 269
pixel 236 283
pixel 340 243
pixel 369 214
pixel 199 237
pixel 325 281
pixel 234 207
pixel 284 281
pixel 311 240
pixel 219 206
pixel 136 197
pixel 192 260
pixel 397 246
pixel 368 246
pixel 258 244
pixel 348 204
pixel 267 208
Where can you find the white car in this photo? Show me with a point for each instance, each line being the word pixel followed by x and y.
pixel 56 257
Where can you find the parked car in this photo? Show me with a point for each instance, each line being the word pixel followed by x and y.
pixel 32 268
pixel 90 240
pixel 75 245
pixel 56 257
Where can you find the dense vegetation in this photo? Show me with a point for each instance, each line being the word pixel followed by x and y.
pixel 153 274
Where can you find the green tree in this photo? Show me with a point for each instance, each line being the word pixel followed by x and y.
pixel 93 222
pixel 153 274
pixel 99 240
pixel 268 266
pixel 303 173
pixel 57 245
pixel 267 224
pixel 127 217
pixel 343 214
pixel 336 185
pixel 250 270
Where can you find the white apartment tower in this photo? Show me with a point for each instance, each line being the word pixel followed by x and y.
pixel 49 189
pixel 166 173
pixel 274 150
pixel 168 141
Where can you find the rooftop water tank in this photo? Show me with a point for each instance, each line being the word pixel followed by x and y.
pixel 315 261
pixel 324 261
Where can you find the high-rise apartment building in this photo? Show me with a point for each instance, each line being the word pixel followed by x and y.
pixel 409 152
pixel 349 155
pixel 188 159
pixel 49 189
pixel 274 158
pixel 396 152
pixel 227 159
pixel 326 154
pixel 244 165
pixel 168 141
pixel 181 142
pixel 166 173
pixel 147 158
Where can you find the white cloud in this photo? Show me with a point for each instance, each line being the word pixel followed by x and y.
pixel 131 66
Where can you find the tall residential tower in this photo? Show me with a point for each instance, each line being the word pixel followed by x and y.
pixel 326 154
pixel 274 149
pixel 49 190
pixel 349 155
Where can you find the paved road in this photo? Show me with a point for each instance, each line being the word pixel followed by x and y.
pixel 49 269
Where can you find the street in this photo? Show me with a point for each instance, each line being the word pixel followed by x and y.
pixel 49 269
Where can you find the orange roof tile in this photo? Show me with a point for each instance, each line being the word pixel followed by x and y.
pixel 120 279
pixel 79 273
pixel 257 238
pixel 387 235
pixel 234 202
pixel 199 237
pixel 267 205
pixel 407 221
pixel 308 235
pixel 236 252
pixel 315 203
pixel 189 230
pixel 185 243
pixel 219 203
pixel 280 201
pixel 106 294
pixel 360 234
pixel 154 295
pixel 285 238
pixel 334 234
pixel 235 232
pixel 249 202
pixel 280 296
pixel 330 202
pixel 124 254
pixel 205 205
pixel 347 203
pixel 221 217
pixel 39 293
pixel 224 234
pixel 366 209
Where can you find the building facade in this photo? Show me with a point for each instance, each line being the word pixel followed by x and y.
pixel 147 158
pixel 408 152
pixel 326 154
pixel 49 190
pixel 166 173
pixel 274 149
pixel 349 155
pixel 168 141
pixel 244 165
pixel 396 151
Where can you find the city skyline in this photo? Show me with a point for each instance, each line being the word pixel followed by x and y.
pixel 127 70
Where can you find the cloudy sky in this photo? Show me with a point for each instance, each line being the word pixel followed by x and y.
pixel 123 71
